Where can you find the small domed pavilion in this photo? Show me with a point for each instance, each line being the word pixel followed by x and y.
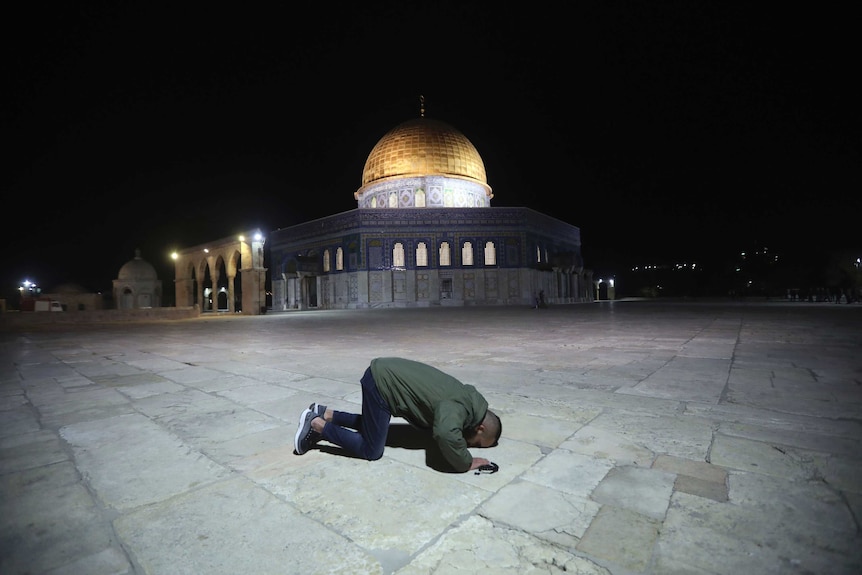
pixel 137 285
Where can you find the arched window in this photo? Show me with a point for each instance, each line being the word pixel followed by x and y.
pixel 538 253
pixel 445 254
pixel 421 255
pixel 467 254
pixel 448 198
pixel 339 259
pixel 398 255
pixel 326 260
pixel 419 198
pixel 490 254
pixel 374 201
pixel 393 200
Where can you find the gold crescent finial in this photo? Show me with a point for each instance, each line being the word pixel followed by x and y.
pixel 421 106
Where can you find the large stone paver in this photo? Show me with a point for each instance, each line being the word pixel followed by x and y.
pixel 235 527
pixel 639 438
pixel 130 461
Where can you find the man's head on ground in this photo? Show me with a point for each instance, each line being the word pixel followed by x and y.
pixel 487 433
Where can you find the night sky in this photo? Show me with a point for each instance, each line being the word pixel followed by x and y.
pixel 670 131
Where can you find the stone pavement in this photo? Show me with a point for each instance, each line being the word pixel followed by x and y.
pixel 638 437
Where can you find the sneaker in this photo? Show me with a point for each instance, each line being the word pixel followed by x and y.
pixel 320 410
pixel 305 436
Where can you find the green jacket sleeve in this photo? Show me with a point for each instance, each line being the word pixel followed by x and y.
pixel 448 433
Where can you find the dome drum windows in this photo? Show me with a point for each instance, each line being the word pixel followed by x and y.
pixel 434 191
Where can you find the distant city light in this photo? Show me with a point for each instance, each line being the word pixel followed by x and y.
pixel 28 286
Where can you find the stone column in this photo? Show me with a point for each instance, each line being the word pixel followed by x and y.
pixel 231 291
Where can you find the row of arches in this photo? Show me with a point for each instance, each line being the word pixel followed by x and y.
pixel 227 276
pixel 333 258
pixel 214 284
pixel 399 260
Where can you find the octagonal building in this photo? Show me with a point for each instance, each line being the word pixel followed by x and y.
pixel 424 234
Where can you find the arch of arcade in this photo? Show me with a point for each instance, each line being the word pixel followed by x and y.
pixel 226 275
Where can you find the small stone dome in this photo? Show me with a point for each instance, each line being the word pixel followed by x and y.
pixel 137 269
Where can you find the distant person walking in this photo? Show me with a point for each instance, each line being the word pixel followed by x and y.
pixel 455 414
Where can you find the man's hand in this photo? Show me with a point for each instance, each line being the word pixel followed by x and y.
pixel 478 462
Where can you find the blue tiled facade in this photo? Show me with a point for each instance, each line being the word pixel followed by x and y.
pixel 368 258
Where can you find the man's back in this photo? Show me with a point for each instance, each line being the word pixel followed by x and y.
pixel 414 391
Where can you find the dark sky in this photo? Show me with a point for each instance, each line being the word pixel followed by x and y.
pixel 666 131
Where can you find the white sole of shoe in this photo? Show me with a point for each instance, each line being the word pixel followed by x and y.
pixel 298 437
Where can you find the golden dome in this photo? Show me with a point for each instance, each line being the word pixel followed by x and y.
pixel 423 147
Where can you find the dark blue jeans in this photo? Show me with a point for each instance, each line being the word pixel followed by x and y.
pixel 363 435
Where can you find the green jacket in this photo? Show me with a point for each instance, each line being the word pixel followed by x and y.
pixel 431 399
